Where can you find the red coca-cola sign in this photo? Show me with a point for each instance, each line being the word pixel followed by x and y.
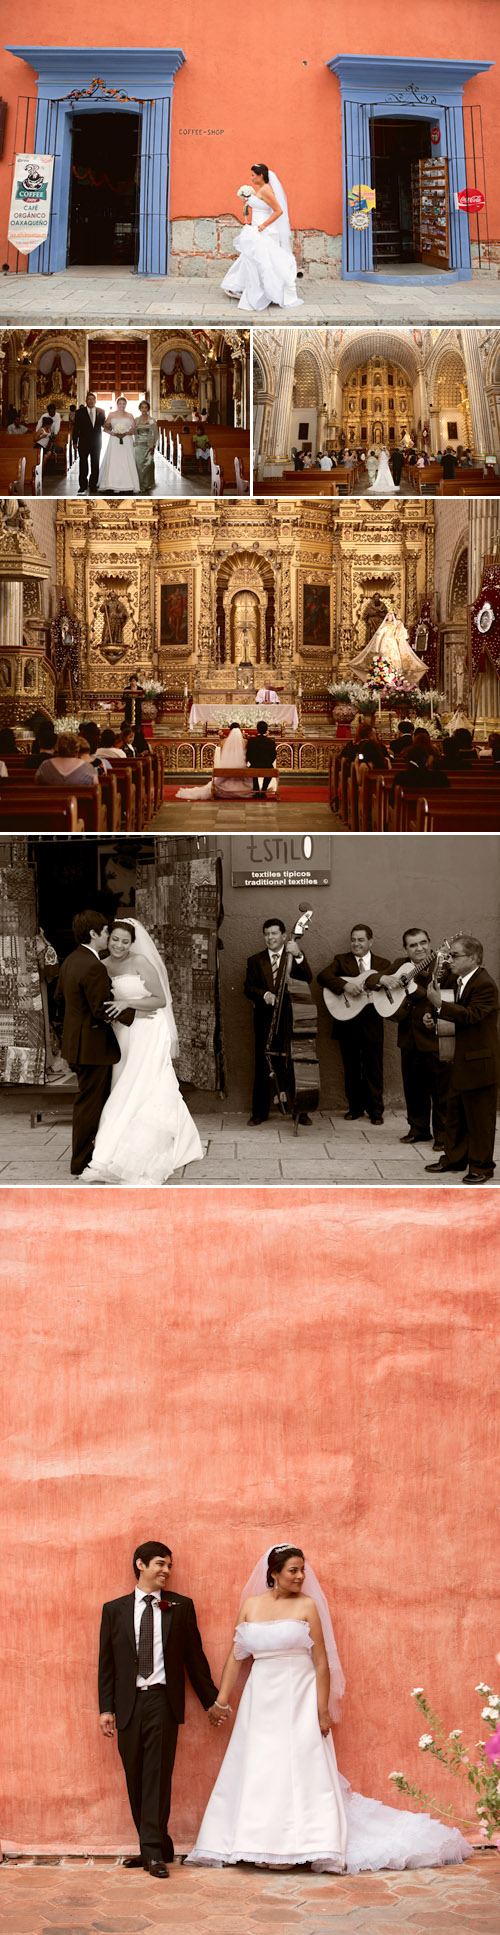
pixel 471 199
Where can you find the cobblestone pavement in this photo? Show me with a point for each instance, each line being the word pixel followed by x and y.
pixel 82 1897
pixel 331 1151
pixel 115 297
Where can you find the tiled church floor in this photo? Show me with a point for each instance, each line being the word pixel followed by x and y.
pixel 240 816
pixel 331 1152
pixel 81 1898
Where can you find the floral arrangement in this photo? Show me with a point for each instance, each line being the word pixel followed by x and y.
pixel 69 724
pixel 398 694
pixel 153 687
pixel 482 1774
pixel 243 193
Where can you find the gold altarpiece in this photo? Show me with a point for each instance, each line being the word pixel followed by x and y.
pixel 221 597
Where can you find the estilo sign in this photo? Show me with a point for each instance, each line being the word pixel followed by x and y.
pixel 469 199
pixel 299 860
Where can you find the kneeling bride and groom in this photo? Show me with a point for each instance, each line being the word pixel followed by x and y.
pixel 130 1121
pixel 278 1800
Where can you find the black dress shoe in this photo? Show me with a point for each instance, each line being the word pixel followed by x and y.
pixel 415 1135
pixel 376 1121
pixel 158 1869
pixel 354 1115
pixel 306 1121
pixel 133 1861
pixel 444 1168
pixel 472 1179
pixel 255 1121
pixel 438 1145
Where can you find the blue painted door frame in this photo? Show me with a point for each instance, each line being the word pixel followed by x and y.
pixel 380 88
pixel 146 73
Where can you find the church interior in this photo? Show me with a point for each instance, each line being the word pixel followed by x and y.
pixel 234 613
pixel 432 394
pixel 196 383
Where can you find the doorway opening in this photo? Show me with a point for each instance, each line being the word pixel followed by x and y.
pixel 410 177
pixel 103 218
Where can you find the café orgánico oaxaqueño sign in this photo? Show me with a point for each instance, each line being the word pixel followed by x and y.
pixel 292 860
pixel 30 201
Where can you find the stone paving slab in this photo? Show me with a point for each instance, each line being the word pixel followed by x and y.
pixel 121 298
pixel 331 1152
pixel 83 1897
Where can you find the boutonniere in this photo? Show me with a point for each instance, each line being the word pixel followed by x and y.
pixel 166 1605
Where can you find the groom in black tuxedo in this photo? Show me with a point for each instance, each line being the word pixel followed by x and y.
pixel 88 1041
pixel 148 1638
pixel 87 434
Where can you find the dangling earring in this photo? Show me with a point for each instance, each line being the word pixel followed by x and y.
pixel 275 1588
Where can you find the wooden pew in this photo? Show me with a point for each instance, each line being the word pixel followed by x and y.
pixel 440 814
pixel 92 811
pixel 321 483
pixel 12 449
pixel 47 811
pixel 480 795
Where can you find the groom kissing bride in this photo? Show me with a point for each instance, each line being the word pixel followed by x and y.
pixel 130 1121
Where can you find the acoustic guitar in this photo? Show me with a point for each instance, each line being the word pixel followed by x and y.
pixel 387 999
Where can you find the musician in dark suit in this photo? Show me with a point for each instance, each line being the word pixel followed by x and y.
pixel 148 1638
pixel 426 1077
pixel 475 1071
pixel 261 752
pixel 361 1040
pixel 262 985
pixel 88 1041
pixel 87 435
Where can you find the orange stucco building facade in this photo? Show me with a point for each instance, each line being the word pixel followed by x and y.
pixel 326 101
pixel 221 1369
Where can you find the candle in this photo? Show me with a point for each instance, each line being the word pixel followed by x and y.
pixel 380 705
pixel 432 706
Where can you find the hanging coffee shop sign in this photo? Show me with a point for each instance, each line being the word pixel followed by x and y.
pixel 30 201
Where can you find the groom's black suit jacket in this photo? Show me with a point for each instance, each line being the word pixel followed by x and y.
pixel 87 1036
pixel 182 1648
pixel 85 434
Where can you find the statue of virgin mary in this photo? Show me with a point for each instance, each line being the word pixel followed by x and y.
pixel 390 643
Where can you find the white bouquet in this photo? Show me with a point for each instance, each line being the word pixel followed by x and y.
pixel 244 196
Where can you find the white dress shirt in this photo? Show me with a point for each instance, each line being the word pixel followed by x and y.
pixel 463 979
pixel 158 1676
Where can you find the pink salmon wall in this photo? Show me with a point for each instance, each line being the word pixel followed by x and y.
pixel 221 1370
pixel 262 80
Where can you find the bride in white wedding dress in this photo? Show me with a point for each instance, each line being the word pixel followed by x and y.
pixel 118 470
pixel 383 485
pixel 279 1799
pixel 265 271
pixel 145 1131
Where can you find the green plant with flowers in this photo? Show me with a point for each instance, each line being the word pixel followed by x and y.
pixel 480 1773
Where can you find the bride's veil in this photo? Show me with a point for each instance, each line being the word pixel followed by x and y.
pixel 146 946
pixel 281 228
pixel 258 1582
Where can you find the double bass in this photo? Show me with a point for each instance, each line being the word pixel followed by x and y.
pixel 291 1042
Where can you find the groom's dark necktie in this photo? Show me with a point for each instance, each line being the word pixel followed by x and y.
pixel 145 1652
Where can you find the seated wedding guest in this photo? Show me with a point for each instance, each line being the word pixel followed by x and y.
pixel 363 734
pixel 17 428
pixel 263 978
pixel 69 765
pixel 423 768
pixel 494 744
pixel 261 751
pixel 307 465
pixel 297 460
pixel 449 463
pixel 45 742
pixel 459 752
pixel 8 746
pixel 426 1076
pixel 141 744
pixel 141 1692
pixel 109 745
pixel 404 736
pixel 3 770
pixel 370 752
pixel 324 462
pixel 361 1039
pixel 125 739
pixel 48 427
pixel 471 1111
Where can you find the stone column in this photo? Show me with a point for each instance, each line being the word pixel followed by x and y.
pixel 279 436
pixel 479 413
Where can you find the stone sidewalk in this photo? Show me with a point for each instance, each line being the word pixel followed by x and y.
pixel 117 298
pixel 78 1897
pixel 331 1151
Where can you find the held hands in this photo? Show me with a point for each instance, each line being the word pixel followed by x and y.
pixel 324 1721
pixel 107 1724
pixel 217 1714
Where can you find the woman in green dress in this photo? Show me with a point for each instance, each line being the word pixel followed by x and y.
pixel 145 441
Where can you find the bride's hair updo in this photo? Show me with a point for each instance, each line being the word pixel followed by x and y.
pixel 259 168
pixel 279 1557
pixel 123 923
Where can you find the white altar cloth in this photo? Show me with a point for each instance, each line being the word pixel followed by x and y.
pixel 211 714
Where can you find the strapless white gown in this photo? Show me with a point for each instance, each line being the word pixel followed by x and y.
pixel 119 469
pixel 384 485
pixel 264 271
pixel 145 1131
pixel 279 1798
